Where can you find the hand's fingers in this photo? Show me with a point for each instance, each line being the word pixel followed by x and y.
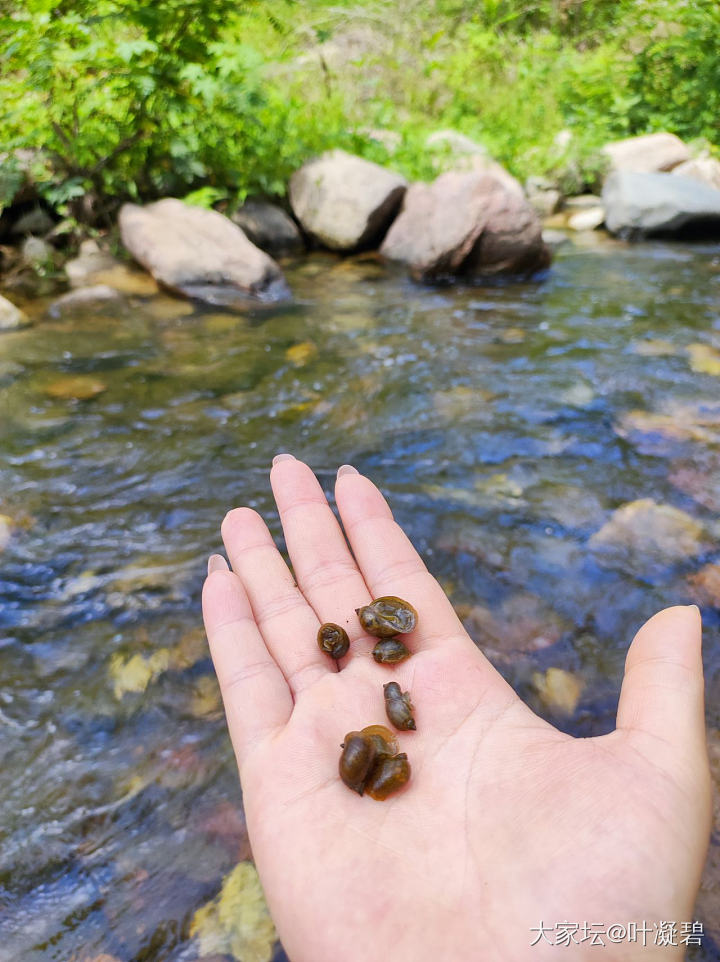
pixel 324 567
pixel 662 693
pixel 286 621
pixel 256 696
pixel 389 563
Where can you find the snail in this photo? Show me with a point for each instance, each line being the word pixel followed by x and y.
pixel 358 757
pixel 389 651
pixel 398 707
pixel 387 616
pixel 369 762
pixel 390 774
pixel 333 640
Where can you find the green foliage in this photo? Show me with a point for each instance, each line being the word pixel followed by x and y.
pixel 675 76
pixel 132 100
pixel 215 99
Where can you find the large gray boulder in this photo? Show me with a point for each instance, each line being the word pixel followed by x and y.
pixel 199 253
pixel 651 153
pixel 345 202
pixel 269 227
pixel 466 224
pixel 637 204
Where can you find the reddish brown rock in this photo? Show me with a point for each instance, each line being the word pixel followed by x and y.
pixel 199 253
pixel 466 224
pixel 704 586
pixel 522 624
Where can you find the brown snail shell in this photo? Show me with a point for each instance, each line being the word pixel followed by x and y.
pixel 388 776
pixel 389 651
pixel 369 762
pixel 333 640
pixel 358 758
pixel 398 707
pixel 387 616
pixel 385 740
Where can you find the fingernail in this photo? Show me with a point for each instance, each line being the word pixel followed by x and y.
pixel 282 457
pixel 216 562
pixel 346 469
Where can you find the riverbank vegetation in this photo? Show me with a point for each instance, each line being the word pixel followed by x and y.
pixel 118 99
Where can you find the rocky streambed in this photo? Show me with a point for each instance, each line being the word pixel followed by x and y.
pixel 553 449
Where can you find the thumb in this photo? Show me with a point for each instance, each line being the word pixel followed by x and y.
pixel 663 691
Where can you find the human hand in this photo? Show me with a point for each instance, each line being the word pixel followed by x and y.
pixel 506 822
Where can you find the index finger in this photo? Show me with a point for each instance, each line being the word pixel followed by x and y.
pixel 390 564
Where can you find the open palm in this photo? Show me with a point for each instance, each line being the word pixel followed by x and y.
pixel 506 824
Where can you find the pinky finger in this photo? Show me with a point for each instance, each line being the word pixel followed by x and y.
pixel 255 694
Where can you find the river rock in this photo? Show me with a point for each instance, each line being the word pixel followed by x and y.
pixel 36 252
pixel 465 224
pixel 650 153
pixel 455 143
pixel 544 196
pixel 34 221
pixel 638 204
pixel 269 227
pixel 84 298
pixel 704 586
pixel 6 529
pixel 345 202
pixel 199 253
pixel 11 317
pixel 704 169
pixel 587 218
pixel 94 266
pixel 643 533
pixel 559 690
pixel 75 387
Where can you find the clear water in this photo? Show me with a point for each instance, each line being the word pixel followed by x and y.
pixel 487 415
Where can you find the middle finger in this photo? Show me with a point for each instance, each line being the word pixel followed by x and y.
pixel 323 564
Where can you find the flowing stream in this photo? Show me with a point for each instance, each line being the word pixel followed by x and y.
pixel 505 424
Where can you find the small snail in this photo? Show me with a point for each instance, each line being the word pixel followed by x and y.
pixel 398 707
pixel 333 640
pixel 390 774
pixel 389 651
pixel 369 762
pixel 387 616
pixel 358 757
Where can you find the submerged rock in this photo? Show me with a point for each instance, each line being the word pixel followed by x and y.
pixel 11 317
pixel 269 227
pixel 6 529
pixel 559 690
pixel 468 225
pixel 345 202
pixel 84 298
pixel 700 479
pixel 704 586
pixel 643 533
pixel 237 921
pixel 199 253
pixel 704 359
pixel 522 624
pixel 639 204
pixel 75 387
pixel 648 153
